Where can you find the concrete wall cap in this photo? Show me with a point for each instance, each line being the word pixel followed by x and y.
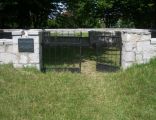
pixel 31 32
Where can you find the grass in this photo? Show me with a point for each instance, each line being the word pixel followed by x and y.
pixel 27 94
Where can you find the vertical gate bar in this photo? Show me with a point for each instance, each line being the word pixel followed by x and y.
pixel 80 40
pixel 64 52
pixel 115 50
pixel 96 49
pixel 118 52
pixel 67 47
pixel 73 53
pixel 68 50
pixel 55 45
pixel 120 41
pixel 104 50
pixel 43 48
pixel 61 55
pixel 49 51
pixel 110 51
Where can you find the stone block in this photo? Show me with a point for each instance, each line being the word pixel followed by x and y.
pixel 36 48
pixel 18 65
pixel 149 54
pixel 37 66
pixel 153 41
pixel 15 39
pixel 128 56
pixel 23 58
pixel 124 36
pixel 129 46
pixel 139 58
pixel 146 60
pixel 33 58
pixel 126 65
pixel 133 37
pixel 145 37
pixel 17 58
pixel 15 48
pixel 9 48
pixel 6 58
pixel 2 48
pixel 36 39
pixel 143 46
pixel 1 42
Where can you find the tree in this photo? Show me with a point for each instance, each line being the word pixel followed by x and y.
pixel 79 13
pixel 25 13
pixel 141 12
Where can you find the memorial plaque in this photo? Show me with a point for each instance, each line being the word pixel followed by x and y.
pixel 26 45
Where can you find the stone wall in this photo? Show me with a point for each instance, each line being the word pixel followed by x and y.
pixel 9 50
pixel 137 48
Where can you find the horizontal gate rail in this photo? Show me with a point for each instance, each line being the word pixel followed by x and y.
pixel 57 69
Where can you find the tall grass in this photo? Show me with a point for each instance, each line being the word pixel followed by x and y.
pixel 27 94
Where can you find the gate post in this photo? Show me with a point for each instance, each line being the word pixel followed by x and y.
pixel 137 47
pixel 27 48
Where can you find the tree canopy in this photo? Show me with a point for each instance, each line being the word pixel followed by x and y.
pixel 25 13
pixel 77 13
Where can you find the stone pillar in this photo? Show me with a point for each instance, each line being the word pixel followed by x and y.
pixel 27 59
pixel 6 48
pixel 137 48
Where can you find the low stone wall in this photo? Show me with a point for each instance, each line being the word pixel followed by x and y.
pixel 138 46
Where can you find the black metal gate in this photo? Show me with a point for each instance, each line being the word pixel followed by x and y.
pixel 64 51
pixel 61 51
pixel 108 51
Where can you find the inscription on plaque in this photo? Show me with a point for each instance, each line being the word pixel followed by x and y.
pixel 26 45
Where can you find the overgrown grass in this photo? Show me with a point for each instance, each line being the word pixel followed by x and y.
pixel 27 94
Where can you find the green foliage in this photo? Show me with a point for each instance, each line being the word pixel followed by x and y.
pixel 24 13
pixel 78 14
pixel 124 24
pixel 141 13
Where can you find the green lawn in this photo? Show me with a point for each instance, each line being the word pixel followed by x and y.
pixel 27 94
